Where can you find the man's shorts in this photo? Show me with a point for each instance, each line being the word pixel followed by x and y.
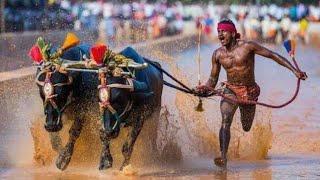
pixel 243 93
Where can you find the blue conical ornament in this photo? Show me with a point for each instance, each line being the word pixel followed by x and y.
pixel 290 46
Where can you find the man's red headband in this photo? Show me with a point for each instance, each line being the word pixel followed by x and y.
pixel 227 27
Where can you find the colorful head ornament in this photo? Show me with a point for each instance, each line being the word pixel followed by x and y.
pixel 290 46
pixel 98 53
pixel 35 54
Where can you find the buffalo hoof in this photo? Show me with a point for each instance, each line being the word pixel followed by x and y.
pixel 129 171
pixel 64 157
pixel 123 166
pixel 105 162
pixel 220 162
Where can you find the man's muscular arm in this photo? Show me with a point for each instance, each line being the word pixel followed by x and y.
pixel 215 71
pixel 260 50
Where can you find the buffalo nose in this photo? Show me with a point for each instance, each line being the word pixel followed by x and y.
pixel 53 128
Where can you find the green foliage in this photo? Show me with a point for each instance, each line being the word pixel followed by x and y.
pixel 44 48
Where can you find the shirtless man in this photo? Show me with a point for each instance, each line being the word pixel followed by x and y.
pixel 237 58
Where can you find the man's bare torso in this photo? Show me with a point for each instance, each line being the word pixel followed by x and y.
pixel 238 63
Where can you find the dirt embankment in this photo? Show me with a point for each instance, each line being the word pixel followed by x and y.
pixel 14 47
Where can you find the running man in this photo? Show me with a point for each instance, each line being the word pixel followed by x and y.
pixel 237 58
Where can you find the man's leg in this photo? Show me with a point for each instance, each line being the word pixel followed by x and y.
pixel 247 115
pixel 227 112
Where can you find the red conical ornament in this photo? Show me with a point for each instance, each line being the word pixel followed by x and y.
pixel 35 54
pixel 98 53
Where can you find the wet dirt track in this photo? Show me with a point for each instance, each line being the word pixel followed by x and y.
pixel 283 143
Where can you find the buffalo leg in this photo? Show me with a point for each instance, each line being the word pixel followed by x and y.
pixel 127 148
pixel 66 153
pixel 105 158
pixel 56 142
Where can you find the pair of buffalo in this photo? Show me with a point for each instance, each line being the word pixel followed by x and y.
pixel 77 90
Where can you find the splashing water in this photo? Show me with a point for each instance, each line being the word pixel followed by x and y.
pixel 180 133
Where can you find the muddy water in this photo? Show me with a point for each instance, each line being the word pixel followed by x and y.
pixel 283 143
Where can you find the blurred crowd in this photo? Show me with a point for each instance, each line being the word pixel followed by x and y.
pixel 35 15
pixel 273 23
pixel 136 21
pixel 140 20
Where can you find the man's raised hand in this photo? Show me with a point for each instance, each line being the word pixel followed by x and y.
pixel 301 75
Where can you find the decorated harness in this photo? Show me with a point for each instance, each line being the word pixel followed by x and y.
pixel 103 61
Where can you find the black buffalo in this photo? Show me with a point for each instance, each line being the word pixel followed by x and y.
pixel 82 88
pixel 65 92
pixel 143 105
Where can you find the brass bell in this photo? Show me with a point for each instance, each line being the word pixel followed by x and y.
pixel 199 107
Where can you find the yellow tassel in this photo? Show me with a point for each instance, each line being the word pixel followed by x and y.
pixel 199 107
pixel 71 40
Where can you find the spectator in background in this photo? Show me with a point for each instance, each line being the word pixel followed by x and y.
pixel 110 30
pixel 265 22
pixel 303 28
pixel 253 28
pixel 293 13
pixel 85 19
pixel 198 22
pixel 240 18
pixel 208 23
pixel 273 30
pixel 162 22
pixel 314 13
pixel 178 23
pixel 301 11
pixel 155 25
pixel 126 11
pixel 285 25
